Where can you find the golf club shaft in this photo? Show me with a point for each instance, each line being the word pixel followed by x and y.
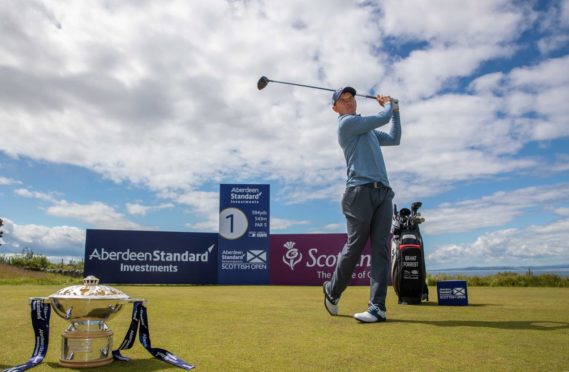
pixel 313 87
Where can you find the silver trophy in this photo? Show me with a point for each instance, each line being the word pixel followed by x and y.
pixel 87 342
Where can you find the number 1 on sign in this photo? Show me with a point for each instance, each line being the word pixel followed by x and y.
pixel 230 218
pixel 233 223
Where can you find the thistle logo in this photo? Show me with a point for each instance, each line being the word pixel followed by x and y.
pixel 292 255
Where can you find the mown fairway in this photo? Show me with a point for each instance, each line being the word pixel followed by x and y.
pixel 272 328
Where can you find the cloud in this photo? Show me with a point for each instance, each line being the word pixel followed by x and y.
pixel 495 210
pixel 96 214
pixel 537 244
pixel 555 17
pixel 137 209
pixel 44 240
pixel 425 72
pixel 25 193
pixel 332 228
pixel 164 97
pixel 450 41
pixel 4 181
pixel 534 245
pixel 282 223
pixel 451 22
pixel 121 100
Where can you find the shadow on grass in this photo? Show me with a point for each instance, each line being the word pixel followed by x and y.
pixel 133 365
pixel 151 364
pixel 535 325
pixel 435 304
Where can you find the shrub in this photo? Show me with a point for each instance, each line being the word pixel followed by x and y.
pixel 505 279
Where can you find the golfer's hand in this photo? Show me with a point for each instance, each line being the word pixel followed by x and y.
pixel 382 100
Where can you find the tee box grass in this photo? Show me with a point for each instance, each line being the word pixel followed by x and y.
pixel 286 328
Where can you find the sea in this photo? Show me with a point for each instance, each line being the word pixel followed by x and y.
pixel 562 271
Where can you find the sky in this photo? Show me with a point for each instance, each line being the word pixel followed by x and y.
pixel 130 114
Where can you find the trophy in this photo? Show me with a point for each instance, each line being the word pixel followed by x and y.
pixel 87 342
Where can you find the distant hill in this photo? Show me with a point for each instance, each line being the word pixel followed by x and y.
pixel 13 272
pixel 10 274
pixel 516 268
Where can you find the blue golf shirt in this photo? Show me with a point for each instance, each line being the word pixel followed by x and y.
pixel 361 143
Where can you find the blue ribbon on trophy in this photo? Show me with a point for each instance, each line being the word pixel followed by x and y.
pixel 40 321
pixel 41 311
pixel 140 321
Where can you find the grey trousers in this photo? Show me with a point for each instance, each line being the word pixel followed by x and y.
pixel 368 213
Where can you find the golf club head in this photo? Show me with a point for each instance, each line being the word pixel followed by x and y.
pixel 404 212
pixel 263 82
pixel 415 206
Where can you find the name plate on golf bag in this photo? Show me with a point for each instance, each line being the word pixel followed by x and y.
pixel 408 270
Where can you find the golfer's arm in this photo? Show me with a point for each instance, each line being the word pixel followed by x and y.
pixel 356 125
pixel 393 138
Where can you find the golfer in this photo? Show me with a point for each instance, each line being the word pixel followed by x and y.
pixel 367 200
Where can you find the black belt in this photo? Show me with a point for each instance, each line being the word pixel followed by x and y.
pixel 375 185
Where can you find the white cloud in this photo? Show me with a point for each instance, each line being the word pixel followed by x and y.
pixel 141 210
pixel 562 211
pixel 334 228
pixel 96 214
pixel 426 72
pixel 25 193
pixel 457 39
pixel 488 84
pixel 553 43
pixel 4 181
pixel 535 245
pixel 164 97
pixel 448 21
pixel 57 240
pixel 495 210
pixel 547 74
pixel 283 223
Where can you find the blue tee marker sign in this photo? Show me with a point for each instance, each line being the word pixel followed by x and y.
pixel 244 227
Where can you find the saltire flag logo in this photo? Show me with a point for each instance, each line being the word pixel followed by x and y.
pixel 459 291
pixel 256 256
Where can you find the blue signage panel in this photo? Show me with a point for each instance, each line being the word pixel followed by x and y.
pixel 244 227
pixel 151 257
pixel 452 292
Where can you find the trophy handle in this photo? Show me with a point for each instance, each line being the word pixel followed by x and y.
pixel 45 300
pixel 133 300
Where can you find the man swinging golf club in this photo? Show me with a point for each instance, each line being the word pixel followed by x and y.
pixel 367 200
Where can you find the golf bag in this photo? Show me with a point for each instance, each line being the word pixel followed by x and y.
pixel 408 271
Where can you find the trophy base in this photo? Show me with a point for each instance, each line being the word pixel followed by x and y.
pixel 72 364
pixel 86 349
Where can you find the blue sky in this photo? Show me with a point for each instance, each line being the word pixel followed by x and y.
pixel 128 115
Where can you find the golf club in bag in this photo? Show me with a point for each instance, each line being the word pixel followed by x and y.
pixel 408 271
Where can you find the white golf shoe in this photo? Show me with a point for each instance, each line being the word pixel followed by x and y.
pixel 373 314
pixel 330 303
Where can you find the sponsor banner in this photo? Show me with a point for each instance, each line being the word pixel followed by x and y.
pixel 310 259
pixel 244 221
pixel 452 292
pixel 151 257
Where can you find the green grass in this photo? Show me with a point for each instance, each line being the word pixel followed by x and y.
pixel 285 328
